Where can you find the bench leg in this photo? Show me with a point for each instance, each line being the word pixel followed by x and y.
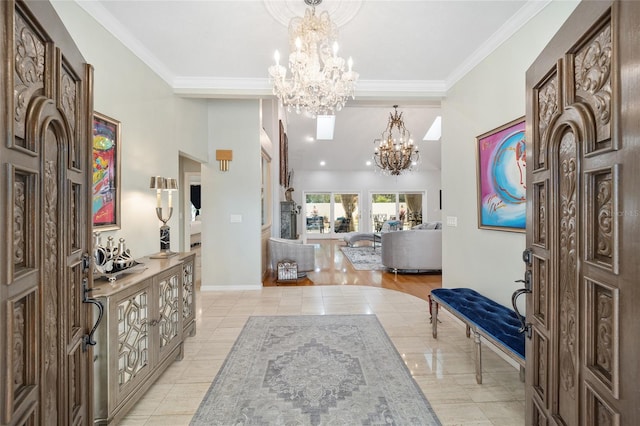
pixel 476 337
pixel 434 318
pixel 468 331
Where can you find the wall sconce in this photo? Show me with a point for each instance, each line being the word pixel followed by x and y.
pixel 169 185
pixel 224 156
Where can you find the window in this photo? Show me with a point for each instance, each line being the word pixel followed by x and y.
pixel 331 213
pixel 403 206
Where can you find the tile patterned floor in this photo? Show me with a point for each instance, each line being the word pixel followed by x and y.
pixel 444 368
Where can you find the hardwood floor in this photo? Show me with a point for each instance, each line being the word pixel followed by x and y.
pixel 333 268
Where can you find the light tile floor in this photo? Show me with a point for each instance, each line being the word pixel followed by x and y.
pixel 443 368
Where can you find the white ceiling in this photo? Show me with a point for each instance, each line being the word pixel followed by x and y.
pixel 406 52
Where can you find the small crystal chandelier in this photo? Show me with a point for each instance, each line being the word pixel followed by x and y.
pixel 319 83
pixel 395 151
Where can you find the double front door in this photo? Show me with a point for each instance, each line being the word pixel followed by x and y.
pixel 45 175
pixel 583 221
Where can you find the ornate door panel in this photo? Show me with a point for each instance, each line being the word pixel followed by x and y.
pixel 44 190
pixel 583 220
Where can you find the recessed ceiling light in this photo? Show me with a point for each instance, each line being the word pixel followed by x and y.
pixel 368 163
pixel 322 163
pixel 435 131
pixel 310 139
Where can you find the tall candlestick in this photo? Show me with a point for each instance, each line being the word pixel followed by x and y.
pixel 170 199
pixel 159 197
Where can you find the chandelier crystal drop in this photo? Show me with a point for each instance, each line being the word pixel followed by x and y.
pixel 395 151
pixel 319 83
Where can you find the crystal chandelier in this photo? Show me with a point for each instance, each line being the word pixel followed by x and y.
pixel 395 151
pixel 319 83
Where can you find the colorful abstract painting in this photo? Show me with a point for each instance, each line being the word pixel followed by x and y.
pixel 502 173
pixel 106 173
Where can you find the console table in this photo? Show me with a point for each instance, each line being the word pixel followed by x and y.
pixel 146 317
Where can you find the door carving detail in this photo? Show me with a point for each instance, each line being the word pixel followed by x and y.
pixel 19 220
pixel 542 297
pixel 28 74
pixel 19 345
pixel 604 328
pixel 540 384
pixel 602 219
pixel 50 341
pixel 603 340
pixel 540 206
pixel 604 224
pixel 568 320
pixel 585 144
pixel 547 110
pixel 593 80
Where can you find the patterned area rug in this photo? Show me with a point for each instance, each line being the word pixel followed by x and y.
pixel 314 370
pixel 364 258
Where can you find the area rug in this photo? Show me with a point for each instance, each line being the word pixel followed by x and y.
pixel 364 258
pixel 314 370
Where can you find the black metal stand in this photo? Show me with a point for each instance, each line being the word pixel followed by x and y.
pixel 165 237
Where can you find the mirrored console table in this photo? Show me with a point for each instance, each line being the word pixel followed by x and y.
pixel 147 315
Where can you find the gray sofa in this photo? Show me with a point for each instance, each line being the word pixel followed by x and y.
pixel 415 250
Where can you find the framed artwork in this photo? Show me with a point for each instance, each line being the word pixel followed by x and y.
pixel 106 173
pixel 284 150
pixel 502 173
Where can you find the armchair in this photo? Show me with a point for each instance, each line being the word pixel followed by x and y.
pixel 282 249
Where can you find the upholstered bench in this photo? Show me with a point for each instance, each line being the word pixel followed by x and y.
pixel 353 237
pixel 496 323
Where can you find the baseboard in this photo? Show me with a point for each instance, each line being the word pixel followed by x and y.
pixel 230 287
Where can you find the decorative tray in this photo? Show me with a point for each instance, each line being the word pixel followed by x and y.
pixel 112 276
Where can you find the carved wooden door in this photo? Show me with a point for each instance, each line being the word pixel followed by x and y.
pixel 45 217
pixel 583 221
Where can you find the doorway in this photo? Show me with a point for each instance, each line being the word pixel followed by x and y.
pixel 583 221
pixel 329 214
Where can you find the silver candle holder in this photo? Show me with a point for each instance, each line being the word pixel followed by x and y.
pixel 169 185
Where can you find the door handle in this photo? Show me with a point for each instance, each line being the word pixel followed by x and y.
pixel 526 281
pixel 524 326
pixel 88 338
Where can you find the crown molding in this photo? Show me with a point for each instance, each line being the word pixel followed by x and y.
pixel 252 87
pixel 113 26
pixel 216 87
pixel 524 15
pixel 260 87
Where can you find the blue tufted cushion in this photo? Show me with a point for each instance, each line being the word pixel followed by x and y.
pixel 492 318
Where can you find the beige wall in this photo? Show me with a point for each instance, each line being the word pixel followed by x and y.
pixel 231 231
pixel 492 94
pixel 156 126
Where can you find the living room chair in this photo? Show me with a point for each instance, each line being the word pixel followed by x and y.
pixel 281 249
